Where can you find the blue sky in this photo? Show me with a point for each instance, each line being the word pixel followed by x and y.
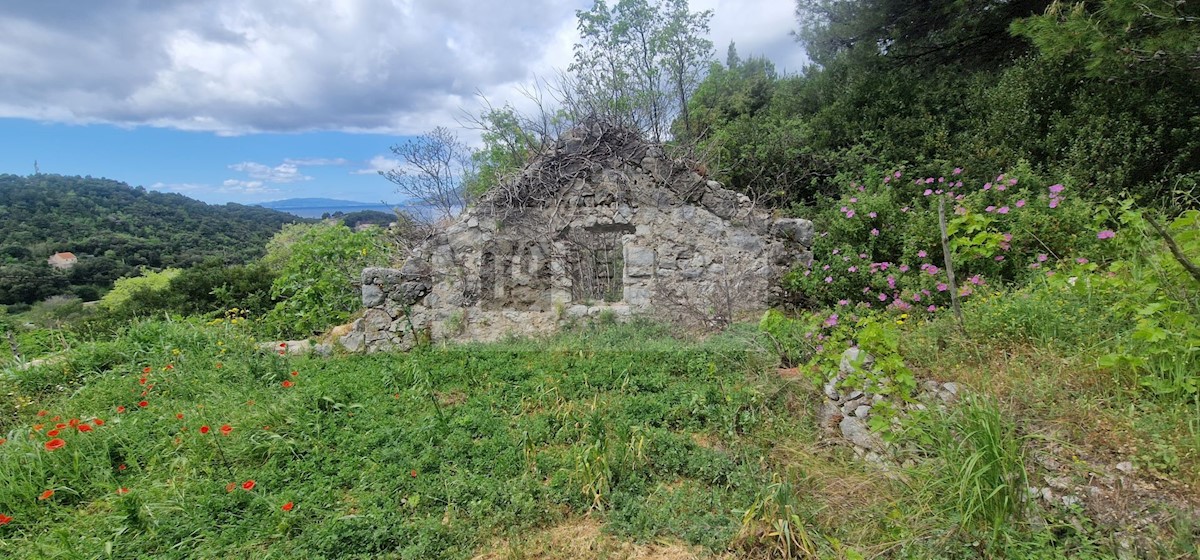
pixel 257 100
pixel 206 166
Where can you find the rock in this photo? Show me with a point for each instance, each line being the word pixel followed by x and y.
pixel 352 342
pixel 1125 467
pixel 951 387
pixel 857 433
pixel 854 395
pixel 372 295
pixel 795 230
pixel 853 359
pixel 323 350
pixel 831 390
pixel 862 411
pixel 828 415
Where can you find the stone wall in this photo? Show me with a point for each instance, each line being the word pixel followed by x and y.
pixel 601 223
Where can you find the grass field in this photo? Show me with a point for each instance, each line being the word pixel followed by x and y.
pixel 182 440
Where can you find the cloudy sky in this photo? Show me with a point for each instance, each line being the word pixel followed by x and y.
pixel 256 100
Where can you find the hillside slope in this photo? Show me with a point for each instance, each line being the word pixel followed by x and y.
pixel 113 228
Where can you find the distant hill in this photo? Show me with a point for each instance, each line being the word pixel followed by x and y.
pixel 113 229
pixel 317 207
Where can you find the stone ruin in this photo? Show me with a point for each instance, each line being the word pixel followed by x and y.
pixel 601 224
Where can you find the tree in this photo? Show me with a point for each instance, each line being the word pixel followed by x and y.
pixel 435 167
pixel 637 63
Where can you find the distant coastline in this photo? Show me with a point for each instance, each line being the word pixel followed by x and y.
pixel 317 207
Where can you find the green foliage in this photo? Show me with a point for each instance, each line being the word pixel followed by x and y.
pixel 138 289
pixel 114 230
pixel 318 266
pixel 1119 37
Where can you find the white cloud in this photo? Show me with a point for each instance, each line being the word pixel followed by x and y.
pixel 236 186
pixel 242 66
pixel 317 162
pixel 377 164
pixel 282 173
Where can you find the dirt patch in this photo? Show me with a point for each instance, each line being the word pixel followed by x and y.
pixel 582 539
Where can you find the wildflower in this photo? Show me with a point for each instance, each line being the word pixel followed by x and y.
pixel 960 211
pixel 852 269
pixel 226 429
pixel 42 413
pixel 248 485
pixel 413 473
pixel 98 421
pixel 2 440
pixel 999 258
pixel 853 200
pixel 122 467
pixel 922 254
pixel 1081 260
pixel 826 267
pixel 1035 266
pixel 927 192
pixel 287 507
pixel 1000 187
pixel 989 209
pixel 987 186
pixel 1002 210
pixel 931 308
pixel 1054 203
pixel 904 209
pixel 843 302
pixel 977 280
pixel 121 491
pixel 218 366
pixel 933 270
pixel 146 369
pixel 1042 257
pixel 179 416
pixel 204 429
pixel 828 279
pixel 84 428
pixel 143 404
pixel 832 321
pixel 941 287
pixel 850 214
pixel 55 443
pixel 873 215
pixel 46 495
pixel 1021 203
pixel 295 373
pixel 903 268
pixel 896 175
pixel 1106 234
pixel 231 487
pixel 287 383
pixel 1055 189
pixel 883 297
pixel 4 519
pixel 53 432
pixel 875 231
pixel 957 171
pixel 835 251
pixel 965 291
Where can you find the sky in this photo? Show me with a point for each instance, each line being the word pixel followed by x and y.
pixel 256 100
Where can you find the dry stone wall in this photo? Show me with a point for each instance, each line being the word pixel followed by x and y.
pixel 601 223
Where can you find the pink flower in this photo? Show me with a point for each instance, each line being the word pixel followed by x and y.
pixel 933 270
pixel 826 267
pixel 999 258
pixel 941 179
pixel 1021 203
pixel 1055 189
pixel 903 268
pixel 897 175
pixel 928 192
pixel 965 291
pixel 922 254
pixel 1081 260
pixel 977 280
pixel 941 287
pixel 928 180
pixel 1002 210
pixel 891 280
pixel 852 269
pixel 828 279
pixel 957 171
pixel 835 251
pixel 853 200
pixel 987 186
pixel 850 214
pixel 1035 265
pixel 905 209
pixel 1054 203
pixel 882 297
pixel 916 297
pixel 862 255
pixel 887 178
pixel 931 308
pixel 989 209
pixel 845 209
pixel 1007 236
pixel 843 302
pixel 875 231
pixel 1000 187
pixel 873 215
pixel 1106 234
pixel 1042 257
pixel 832 321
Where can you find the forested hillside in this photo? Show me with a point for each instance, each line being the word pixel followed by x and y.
pixel 113 229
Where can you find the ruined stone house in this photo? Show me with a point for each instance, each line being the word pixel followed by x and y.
pixel 600 224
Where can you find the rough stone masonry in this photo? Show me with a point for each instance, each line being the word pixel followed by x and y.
pixel 601 223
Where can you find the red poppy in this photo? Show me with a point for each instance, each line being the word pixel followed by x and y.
pixel 295 373
pixel 283 345
pixel 59 426
pixel 84 428
pixel 52 433
pixel 55 419
pixel 143 404
pixel 46 495
pixel 122 490
pixel 37 427
pixel 170 366
pixel 218 365
pixel 73 422
pixel 179 416
pixel 413 473
pixel 42 413
pixel 146 369
pixel 226 429
pixel 55 443
pixel 142 381
pixel 287 383
pixel 287 507
pixel 5 520
pixel 230 487
pixel 2 440
pixel 122 467
pixel 120 409
pixel 98 422
pixel 204 429
pixel 248 485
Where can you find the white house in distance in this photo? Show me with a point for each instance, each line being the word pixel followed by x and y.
pixel 62 261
